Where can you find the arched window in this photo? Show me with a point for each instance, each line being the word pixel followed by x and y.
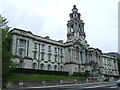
pixel 21 64
pixel 75 69
pixel 49 67
pixel 34 65
pixel 42 66
pixel 55 68
pixel 61 68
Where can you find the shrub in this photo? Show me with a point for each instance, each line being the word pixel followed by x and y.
pixel 33 71
pixel 82 74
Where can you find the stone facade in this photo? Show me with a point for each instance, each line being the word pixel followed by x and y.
pixel 75 55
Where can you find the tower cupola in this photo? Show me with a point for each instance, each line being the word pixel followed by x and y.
pixel 75 26
pixel 74 9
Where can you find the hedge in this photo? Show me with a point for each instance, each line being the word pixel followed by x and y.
pixel 82 74
pixel 33 71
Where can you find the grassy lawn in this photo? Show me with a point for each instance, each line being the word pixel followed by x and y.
pixel 34 77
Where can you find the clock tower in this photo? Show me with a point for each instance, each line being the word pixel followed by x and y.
pixel 75 26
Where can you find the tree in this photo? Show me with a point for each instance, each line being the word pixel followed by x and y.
pixel 118 65
pixel 7 55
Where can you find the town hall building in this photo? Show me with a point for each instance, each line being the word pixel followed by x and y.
pixel 75 55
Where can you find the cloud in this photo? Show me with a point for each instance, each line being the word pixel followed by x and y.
pixel 49 17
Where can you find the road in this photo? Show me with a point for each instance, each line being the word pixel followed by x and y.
pixel 88 86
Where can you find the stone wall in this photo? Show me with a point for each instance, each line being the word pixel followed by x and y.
pixel 19 84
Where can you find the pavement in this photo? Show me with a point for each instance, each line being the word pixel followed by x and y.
pixel 85 86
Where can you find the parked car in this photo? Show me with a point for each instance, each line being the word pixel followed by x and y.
pixel 118 82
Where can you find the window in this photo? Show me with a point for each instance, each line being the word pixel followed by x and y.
pixel 21 64
pixel 49 56
pixel 42 66
pixel 55 58
pixel 49 48
pixel 43 46
pixel 49 67
pixel 61 58
pixel 21 52
pixel 34 65
pixel 35 45
pixel 61 51
pixel 42 55
pixel 22 42
pixel 55 50
pixel 55 68
pixel 61 68
pixel 75 69
pixel 35 55
pixel 71 28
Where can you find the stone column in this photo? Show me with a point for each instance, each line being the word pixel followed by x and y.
pixel 74 55
pixel 71 55
pixel 83 54
pixel 86 57
pixel 78 57
pixel 81 57
pixel 14 42
pixel 90 57
pixel 116 65
pixel 26 43
pixel 17 46
pixel 68 57
pixel 93 57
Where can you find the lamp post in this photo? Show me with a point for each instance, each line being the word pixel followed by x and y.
pixel 82 75
pixel 92 63
pixel 92 75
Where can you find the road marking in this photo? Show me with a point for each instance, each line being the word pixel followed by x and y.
pixel 69 85
pixel 114 87
pixel 99 86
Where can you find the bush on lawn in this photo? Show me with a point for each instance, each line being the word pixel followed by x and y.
pixel 33 71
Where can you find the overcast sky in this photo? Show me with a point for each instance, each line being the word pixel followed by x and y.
pixel 49 18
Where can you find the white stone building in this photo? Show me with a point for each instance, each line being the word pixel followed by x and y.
pixel 75 55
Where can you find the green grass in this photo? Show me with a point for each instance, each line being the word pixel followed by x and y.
pixel 34 77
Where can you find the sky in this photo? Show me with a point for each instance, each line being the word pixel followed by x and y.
pixel 49 18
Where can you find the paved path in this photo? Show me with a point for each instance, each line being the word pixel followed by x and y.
pixel 87 86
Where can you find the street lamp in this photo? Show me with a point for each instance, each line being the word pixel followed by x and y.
pixel 82 72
